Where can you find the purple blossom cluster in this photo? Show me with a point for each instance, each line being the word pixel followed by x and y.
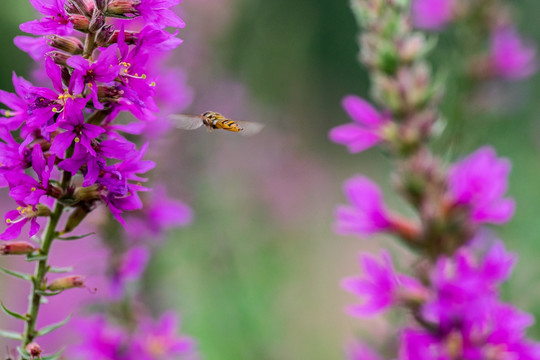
pixel 98 70
pixel 151 340
pixel 70 144
pixel 458 304
pixel 509 56
pixel 452 293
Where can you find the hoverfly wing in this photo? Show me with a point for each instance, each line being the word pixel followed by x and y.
pixel 186 122
pixel 249 127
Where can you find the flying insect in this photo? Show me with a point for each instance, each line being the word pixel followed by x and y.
pixel 214 121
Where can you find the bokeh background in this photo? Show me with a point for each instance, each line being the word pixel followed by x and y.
pixel 256 275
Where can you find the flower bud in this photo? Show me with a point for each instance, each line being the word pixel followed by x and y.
pixel 68 44
pixel 75 218
pixel 16 248
pixel 130 37
pixel 34 350
pixel 101 4
pixel 80 22
pixel 58 57
pixel 88 193
pixel 82 7
pixel 123 7
pixel 68 282
pixel 43 210
pixel 104 35
pixel 97 22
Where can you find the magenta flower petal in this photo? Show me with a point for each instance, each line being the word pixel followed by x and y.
pixel 367 215
pixel 479 182
pixel 432 14
pixel 512 57
pixel 355 137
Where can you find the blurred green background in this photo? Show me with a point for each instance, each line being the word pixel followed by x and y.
pixel 256 276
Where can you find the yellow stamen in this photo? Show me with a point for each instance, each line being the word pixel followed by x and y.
pixel 8 221
pixel 153 83
pixel 33 189
pixel 77 139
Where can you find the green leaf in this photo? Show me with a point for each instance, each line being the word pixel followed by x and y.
pixel 75 237
pixel 20 275
pixel 60 270
pixel 53 356
pixel 24 354
pixel 11 335
pixel 36 257
pixel 48 293
pixel 50 328
pixel 12 313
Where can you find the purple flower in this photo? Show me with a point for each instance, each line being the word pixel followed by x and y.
pixel 432 14
pixel 132 266
pixel 161 341
pixel 26 190
pixel 18 108
pixel 159 214
pixel 381 286
pixel 366 129
pixel 55 21
pixel 37 48
pixel 76 131
pixel 367 215
pixel 157 12
pixel 479 182
pixel 104 70
pixel 102 341
pixel 16 219
pixel 511 56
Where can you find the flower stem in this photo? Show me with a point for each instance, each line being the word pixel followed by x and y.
pixel 42 267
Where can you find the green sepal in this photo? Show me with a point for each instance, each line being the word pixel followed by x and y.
pixel 48 293
pixel 10 335
pixel 60 270
pixel 54 356
pixel 37 257
pixel 50 328
pixel 12 313
pixel 76 237
pixel 17 274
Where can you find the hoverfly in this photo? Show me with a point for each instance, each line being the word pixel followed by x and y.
pixel 213 120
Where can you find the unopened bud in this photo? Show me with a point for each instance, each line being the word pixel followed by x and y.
pixel 412 47
pixel 66 76
pixel 82 7
pixel 104 35
pixel 97 22
pixel 68 44
pixel 16 248
pixel 80 22
pixel 58 57
pixel 34 350
pixel 88 193
pixel 123 7
pixel 101 4
pixel 130 37
pixel 75 218
pixel 43 210
pixel 68 282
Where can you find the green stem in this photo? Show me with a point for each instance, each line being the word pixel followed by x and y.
pixel 42 267
pixel 89 45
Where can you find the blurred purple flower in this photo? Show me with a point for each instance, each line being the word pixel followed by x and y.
pixel 366 129
pixel 16 219
pixel 432 14
pixel 511 56
pixel 101 341
pixel 35 47
pixel 367 215
pixel 160 213
pixel 161 341
pixel 479 182
pixel 381 286
pixel 157 12
pixel 55 21
pixel 132 266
